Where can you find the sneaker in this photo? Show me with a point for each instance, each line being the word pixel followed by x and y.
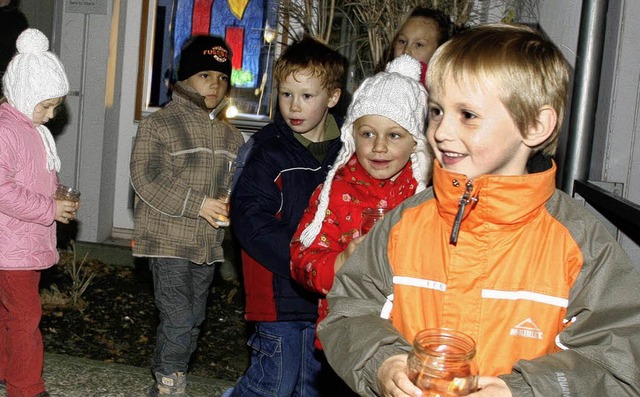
pixel 172 385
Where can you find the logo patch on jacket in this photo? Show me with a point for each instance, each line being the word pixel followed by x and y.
pixel 526 329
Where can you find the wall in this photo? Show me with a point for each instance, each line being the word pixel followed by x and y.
pixel 616 151
pixel 616 155
pixel 86 139
pixel 39 14
pixel 86 148
pixel 100 54
pixel 129 40
pixel 561 22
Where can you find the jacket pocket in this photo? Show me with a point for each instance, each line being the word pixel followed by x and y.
pixel 171 228
pixel 266 371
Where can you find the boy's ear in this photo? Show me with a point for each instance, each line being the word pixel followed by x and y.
pixel 542 128
pixel 334 97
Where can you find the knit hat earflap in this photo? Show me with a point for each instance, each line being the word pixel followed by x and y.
pixel 200 53
pixel 35 75
pixel 398 95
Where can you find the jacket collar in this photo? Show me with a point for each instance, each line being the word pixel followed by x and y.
pixel 284 132
pixel 495 199
pixel 354 173
pixel 187 96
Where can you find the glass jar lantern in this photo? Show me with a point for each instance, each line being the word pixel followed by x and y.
pixel 442 363
pixel 369 218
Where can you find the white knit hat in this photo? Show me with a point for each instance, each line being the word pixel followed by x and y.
pixel 398 95
pixel 35 75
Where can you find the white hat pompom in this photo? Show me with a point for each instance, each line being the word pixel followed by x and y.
pixel 406 66
pixel 32 41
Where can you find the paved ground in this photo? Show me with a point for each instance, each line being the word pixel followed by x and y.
pixel 78 377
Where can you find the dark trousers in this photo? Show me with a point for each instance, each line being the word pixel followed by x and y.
pixel 181 288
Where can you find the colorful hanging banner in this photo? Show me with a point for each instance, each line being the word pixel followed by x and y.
pixel 201 22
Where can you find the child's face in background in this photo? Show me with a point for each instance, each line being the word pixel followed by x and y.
pixel 211 85
pixel 383 147
pixel 304 104
pixel 472 133
pixel 417 37
pixel 45 110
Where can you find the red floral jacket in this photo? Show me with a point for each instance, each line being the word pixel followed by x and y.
pixel 352 190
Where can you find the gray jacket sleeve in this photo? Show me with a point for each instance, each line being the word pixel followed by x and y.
pixel 355 338
pixel 602 342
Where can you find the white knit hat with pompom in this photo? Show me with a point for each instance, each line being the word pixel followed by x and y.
pixel 398 95
pixel 35 75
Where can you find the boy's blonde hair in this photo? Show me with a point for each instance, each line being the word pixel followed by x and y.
pixel 309 54
pixel 528 70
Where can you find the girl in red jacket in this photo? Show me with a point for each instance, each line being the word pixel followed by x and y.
pixel 383 160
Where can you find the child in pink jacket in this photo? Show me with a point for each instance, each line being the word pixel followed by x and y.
pixel 34 84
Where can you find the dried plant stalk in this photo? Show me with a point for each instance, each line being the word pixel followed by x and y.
pixel 314 17
pixel 375 22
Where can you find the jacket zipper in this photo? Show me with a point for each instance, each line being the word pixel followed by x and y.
pixel 464 200
pixel 212 187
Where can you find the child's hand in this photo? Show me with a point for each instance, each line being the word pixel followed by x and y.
pixel 213 210
pixel 344 255
pixel 492 387
pixel 393 379
pixel 66 210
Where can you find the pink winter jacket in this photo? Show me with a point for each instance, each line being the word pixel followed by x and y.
pixel 27 208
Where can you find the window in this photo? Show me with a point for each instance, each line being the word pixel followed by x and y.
pixel 248 26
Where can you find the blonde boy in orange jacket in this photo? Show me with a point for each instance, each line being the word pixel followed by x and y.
pixel 493 247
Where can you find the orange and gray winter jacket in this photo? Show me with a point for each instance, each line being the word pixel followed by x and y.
pixel 548 295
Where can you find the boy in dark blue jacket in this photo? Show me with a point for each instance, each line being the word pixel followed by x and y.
pixel 289 158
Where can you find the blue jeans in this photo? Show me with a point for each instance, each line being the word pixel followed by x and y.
pixel 181 288
pixel 284 361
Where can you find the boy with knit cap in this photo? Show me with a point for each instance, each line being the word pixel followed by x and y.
pixel 178 161
pixel 383 161
pixel 34 85
pixel 289 159
pixel 492 249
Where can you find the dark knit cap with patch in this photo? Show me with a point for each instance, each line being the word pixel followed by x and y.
pixel 200 53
